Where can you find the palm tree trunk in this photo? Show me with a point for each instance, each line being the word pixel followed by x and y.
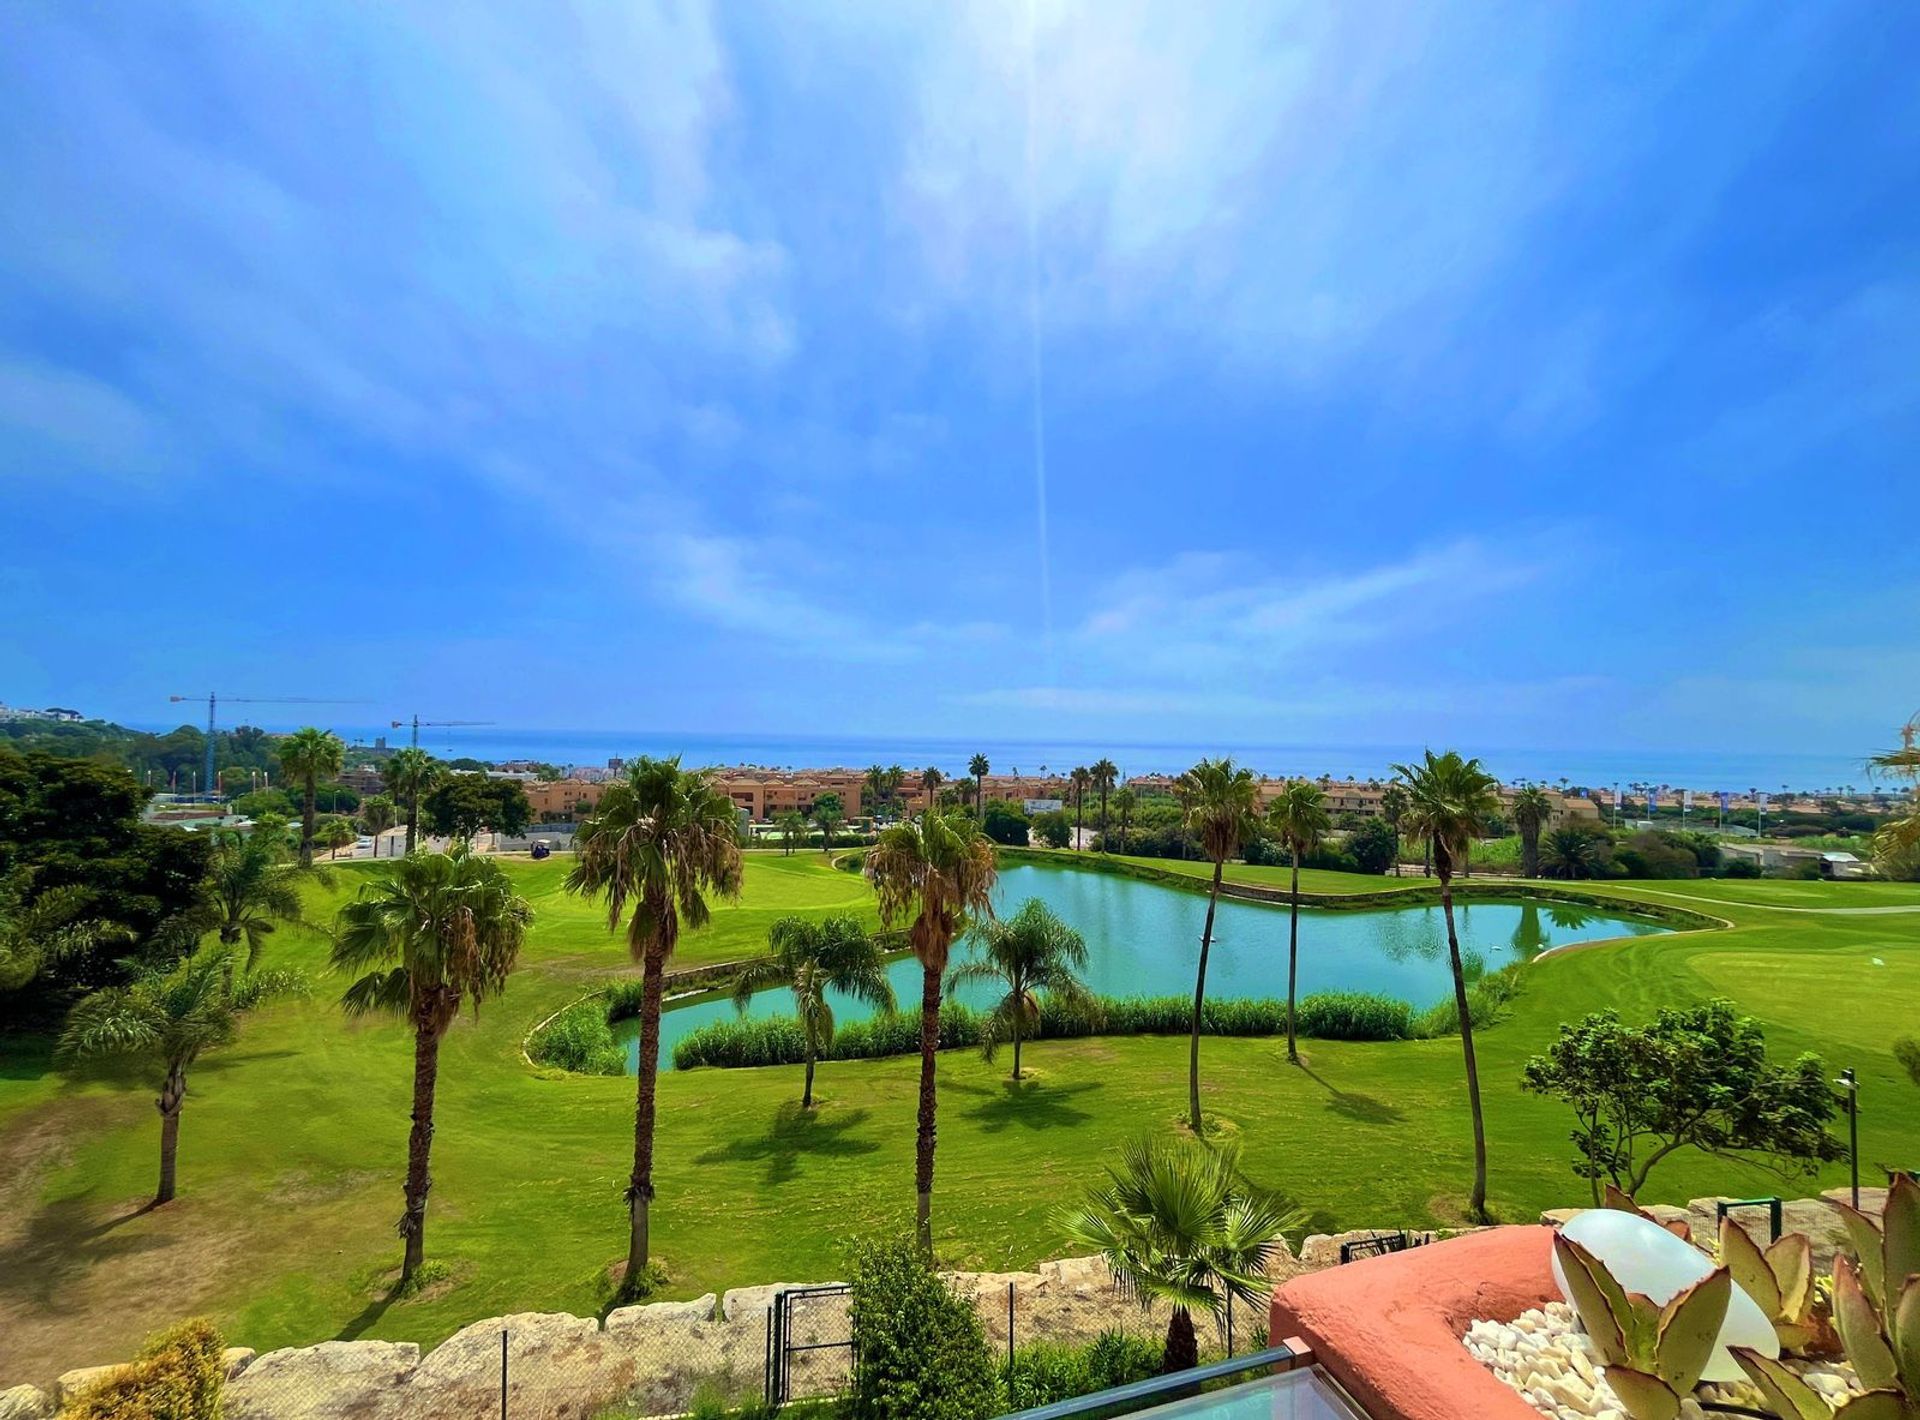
pixel 1477 1202
pixel 173 1094
pixel 806 1090
pixel 1019 1000
pixel 413 819
pixel 1199 1000
pixel 1104 848
pixel 426 1074
pixel 306 824
pixel 640 1186
pixel 923 1161
pixel 1293 954
pixel 1183 1347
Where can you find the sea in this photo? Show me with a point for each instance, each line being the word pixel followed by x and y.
pixel 1732 770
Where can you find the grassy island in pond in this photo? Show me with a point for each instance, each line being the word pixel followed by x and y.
pixel 283 1227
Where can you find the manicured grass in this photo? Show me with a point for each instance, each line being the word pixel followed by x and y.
pixel 293 1139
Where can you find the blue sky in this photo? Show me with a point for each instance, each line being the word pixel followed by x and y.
pixel 1539 375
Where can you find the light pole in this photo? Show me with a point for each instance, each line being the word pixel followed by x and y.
pixel 1850 1083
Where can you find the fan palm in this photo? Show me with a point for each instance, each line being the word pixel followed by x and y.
pixel 937 870
pixel 376 813
pixel 1177 1223
pixel 1104 775
pixel 307 756
pixel 410 775
pixel 810 959
pixel 1393 808
pixel 1300 817
pixel 171 1017
pixel 1448 802
pixel 661 840
pixel 978 767
pixel 1080 779
pixel 829 813
pixel 433 933
pixel 1123 804
pixel 1571 853
pixel 875 784
pixel 930 780
pixel 1029 952
pixel 1221 805
pixel 1532 811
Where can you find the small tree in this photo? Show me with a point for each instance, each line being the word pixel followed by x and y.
pixel 830 813
pixel 1698 1078
pixel 1576 851
pixel 1054 828
pixel 1008 824
pixel 923 1353
pixel 335 834
pixel 1029 952
pixel 172 1018
pixel 793 830
pixel 811 959
pixel 1177 1223
pixel 1532 811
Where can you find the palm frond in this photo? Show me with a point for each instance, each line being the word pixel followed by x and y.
pixel 380 991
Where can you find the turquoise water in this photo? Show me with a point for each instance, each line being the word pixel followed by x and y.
pixel 1143 939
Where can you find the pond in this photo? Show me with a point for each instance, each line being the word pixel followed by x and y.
pixel 1143 939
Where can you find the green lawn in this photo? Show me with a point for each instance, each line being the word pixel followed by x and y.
pixel 293 1139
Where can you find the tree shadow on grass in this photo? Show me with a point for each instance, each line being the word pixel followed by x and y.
pixel 62 1241
pixel 1364 1109
pixel 369 1314
pixel 793 1133
pixel 1032 1104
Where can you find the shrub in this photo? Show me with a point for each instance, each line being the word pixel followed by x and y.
pixel 1007 823
pixel 1354 1015
pixel 923 1353
pixel 1907 1051
pixel 1055 828
pixel 178 1376
pixel 579 1039
pixel 1487 1001
pixel 1739 868
pixel 1051 1371
pixel 1334 1015
pixel 623 999
pixel 1373 845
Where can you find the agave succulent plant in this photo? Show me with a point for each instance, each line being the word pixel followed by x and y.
pixel 1652 1355
pixel 1780 1280
pixel 1876 1311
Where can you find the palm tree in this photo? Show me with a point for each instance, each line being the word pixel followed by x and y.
pixel 335 834
pixel 308 756
pixel 1104 775
pixel 1448 801
pixel 1123 802
pixel 895 778
pixel 1300 817
pixel 1896 842
pixel 875 784
pixel 250 889
pixel 1221 806
pixel 930 780
pixel 49 928
pixel 1570 853
pixel 937 869
pixel 171 1017
pixel 978 767
pixel 410 775
pixel 376 813
pixel 1080 779
pixel 663 838
pixel 1031 951
pixel 829 814
pixel 434 932
pixel 793 830
pixel 810 959
pixel 1532 811
pixel 1393 808
pixel 1177 1223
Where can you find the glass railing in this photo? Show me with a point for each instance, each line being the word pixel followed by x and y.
pixel 1214 1392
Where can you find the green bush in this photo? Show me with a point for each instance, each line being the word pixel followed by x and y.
pixel 579 1039
pixel 1051 1371
pixel 177 1376
pixel 777 1040
pixel 1487 1001
pixel 622 999
pixel 1354 1015
pixel 923 1353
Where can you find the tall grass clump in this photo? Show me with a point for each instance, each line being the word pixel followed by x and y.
pixel 579 1039
pixel 1355 1015
pixel 177 1376
pixel 1487 1001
